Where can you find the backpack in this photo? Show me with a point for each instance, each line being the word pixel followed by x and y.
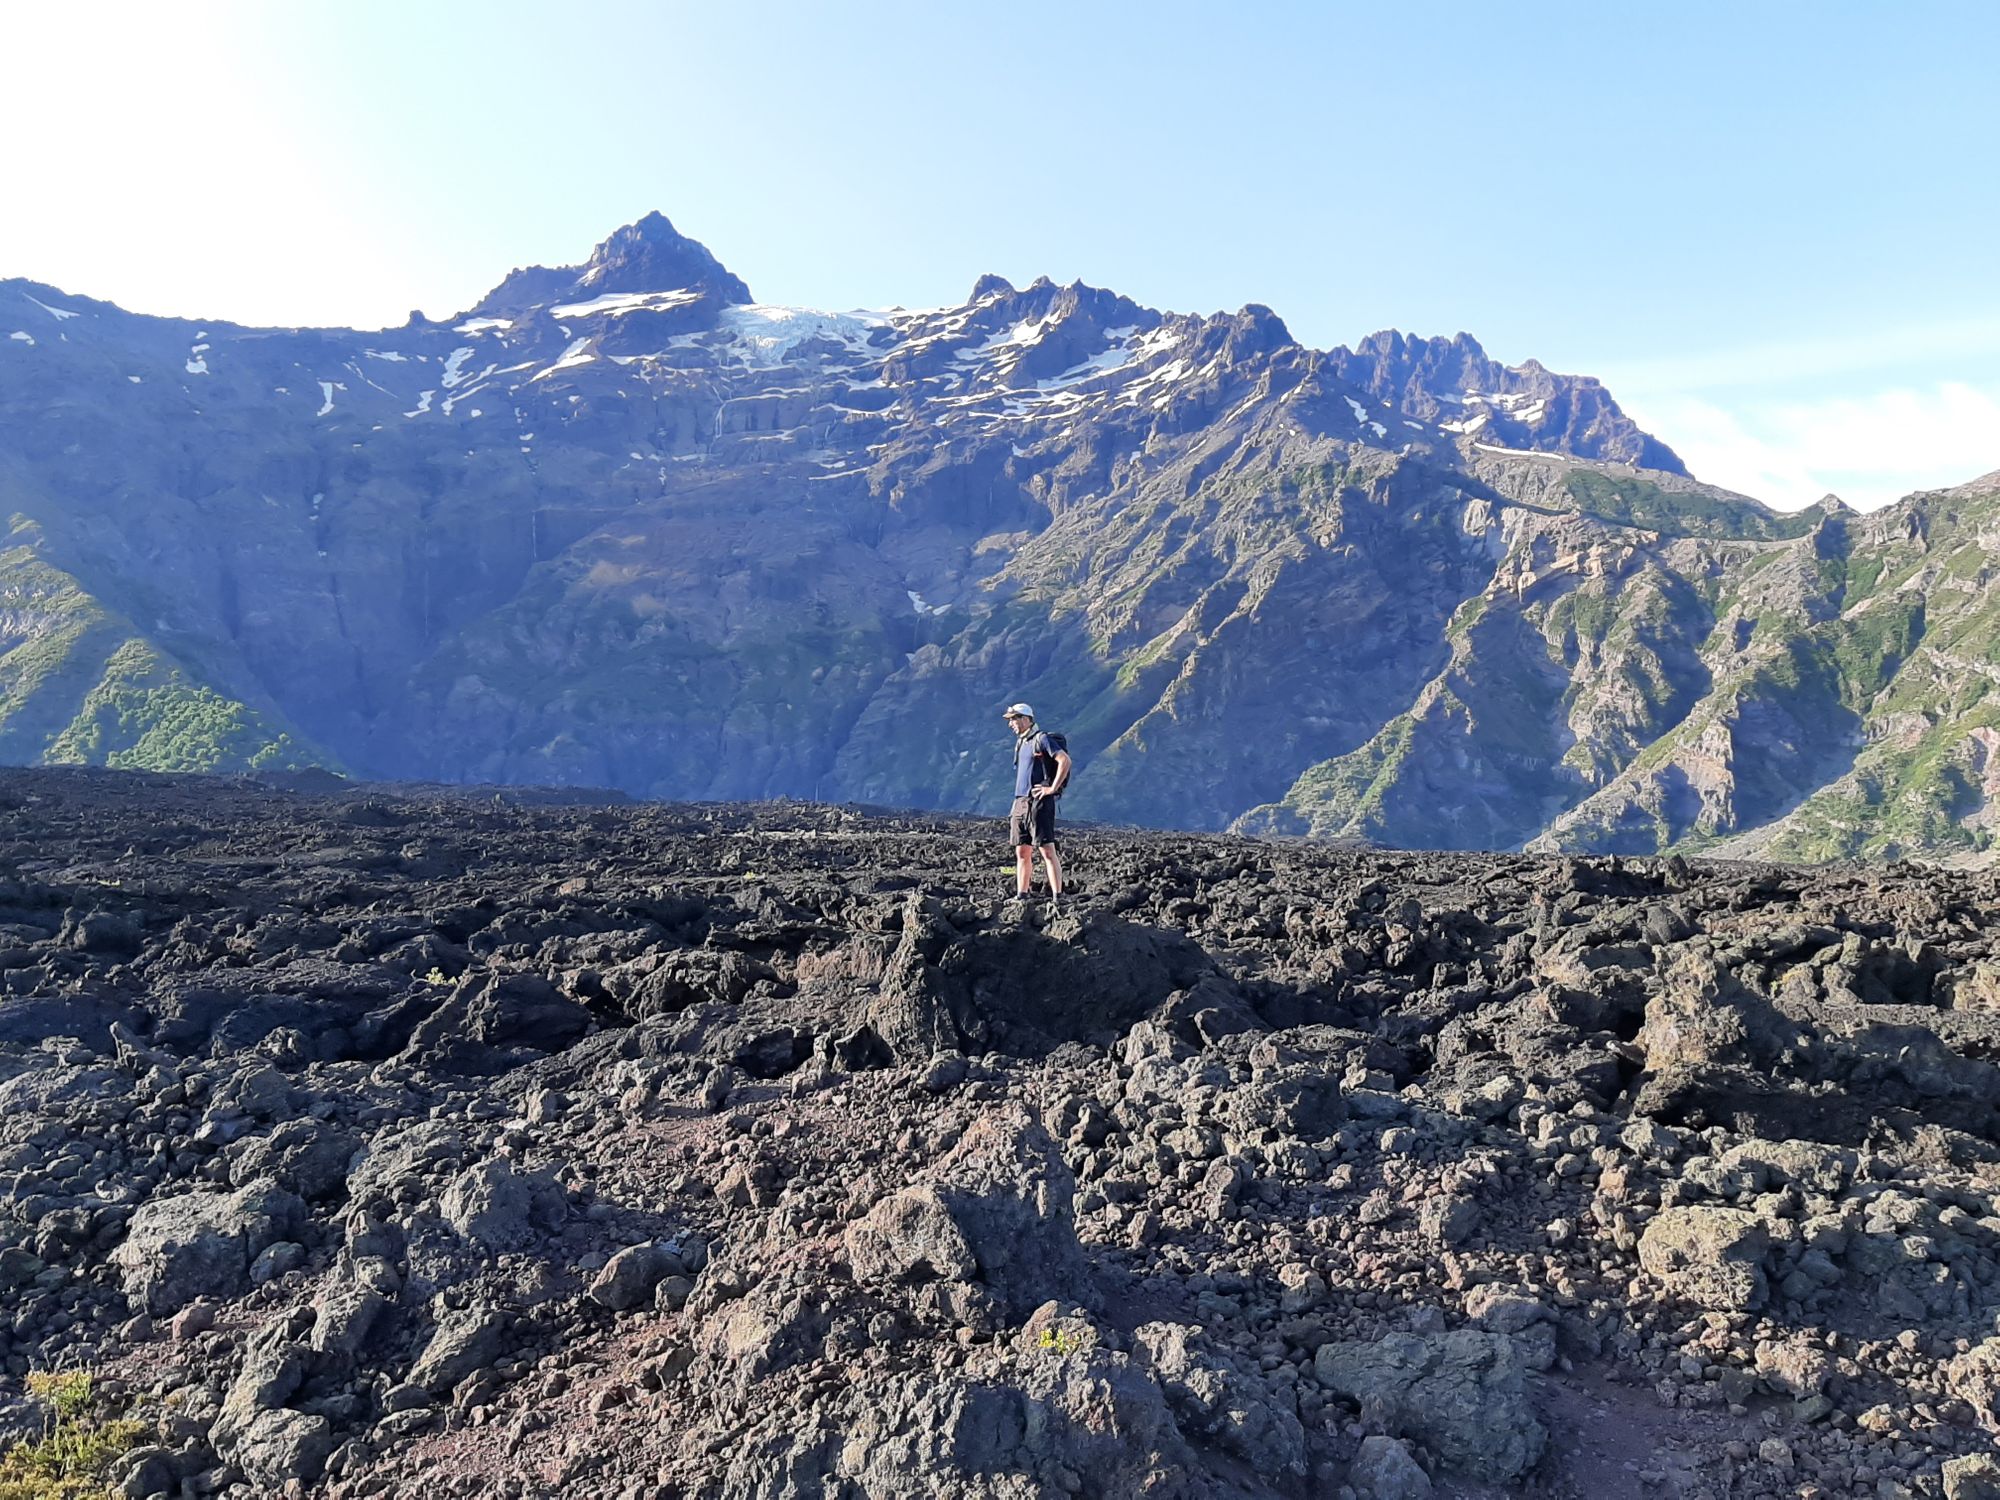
pixel 1056 742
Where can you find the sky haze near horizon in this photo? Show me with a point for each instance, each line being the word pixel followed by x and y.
pixel 1768 229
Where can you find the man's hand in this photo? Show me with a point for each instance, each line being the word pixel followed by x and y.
pixel 1036 793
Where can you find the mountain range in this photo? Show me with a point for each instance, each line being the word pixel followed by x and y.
pixel 622 525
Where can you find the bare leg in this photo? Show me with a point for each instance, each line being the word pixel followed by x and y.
pixel 1052 861
pixel 1024 869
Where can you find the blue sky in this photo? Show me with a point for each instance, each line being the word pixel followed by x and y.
pixel 1769 227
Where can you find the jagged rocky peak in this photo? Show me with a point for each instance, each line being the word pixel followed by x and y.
pixel 998 300
pixel 1018 336
pixel 1063 325
pixel 1251 331
pixel 1392 359
pixel 1393 365
pixel 1458 385
pixel 653 256
pixel 647 256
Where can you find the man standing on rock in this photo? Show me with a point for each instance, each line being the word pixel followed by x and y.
pixel 1041 771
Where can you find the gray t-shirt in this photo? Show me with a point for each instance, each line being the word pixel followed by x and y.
pixel 1029 772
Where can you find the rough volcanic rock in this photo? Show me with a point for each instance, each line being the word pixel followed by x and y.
pixel 1691 1166
pixel 1088 1422
pixel 629 1277
pixel 497 1208
pixel 1384 1470
pixel 195 1245
pixel 1974 1377
pixel 1462 1394
pixel 462 1342
pixel 1711 1256
pixel 1081 976
pixel 1973 1477
pixel 997 1211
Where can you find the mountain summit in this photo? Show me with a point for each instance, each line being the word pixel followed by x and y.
pixel 653 256
pixel 648 256
pixel 1454 382
pixel 620 525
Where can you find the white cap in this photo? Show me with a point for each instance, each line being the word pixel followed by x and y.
pixel 1017 708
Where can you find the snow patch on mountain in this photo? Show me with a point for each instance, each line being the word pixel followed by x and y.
pixel 1522 406
pixel 616 304
pixel 576 354
pixel 763 335
pixel 1523 452
pixel 1010 343
pixel 1119 353
pixel 1361 416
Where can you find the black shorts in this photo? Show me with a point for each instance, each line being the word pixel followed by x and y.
pixel 1033 821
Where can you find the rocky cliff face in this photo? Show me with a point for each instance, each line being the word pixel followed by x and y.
pixel 621 525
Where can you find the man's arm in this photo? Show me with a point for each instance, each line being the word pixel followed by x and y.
pixel 1062 775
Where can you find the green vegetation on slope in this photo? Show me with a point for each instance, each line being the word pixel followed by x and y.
pixel 146 715
pixel 1304 601
pixel 1868 647
pixel 1343 795
pixel 1916 787
pixel 1899 799
pixel 1632 501
pixel 1779 720
pixel 53 638
pixel 79 1446
pixel 1549 693
pixel 79 687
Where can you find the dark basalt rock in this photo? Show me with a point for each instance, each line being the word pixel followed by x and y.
pixel 1024 989
pixel 777 1126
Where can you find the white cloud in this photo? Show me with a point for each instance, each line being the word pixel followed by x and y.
pixel 1870 450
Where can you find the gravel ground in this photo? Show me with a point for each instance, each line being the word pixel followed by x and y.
pixel 377 1141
